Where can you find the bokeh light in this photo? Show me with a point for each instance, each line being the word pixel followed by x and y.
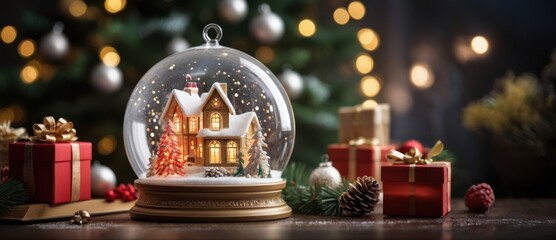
pixel 77 8
pixel 29 73
pixel 421 75
pixel 114 6
pixel 307 28
pixel 8 34
pixel 370 86
pixel 364 63
pixel 479 44
pixel 109 56
pixel 341 16
pixel 26 48
pixel 107 145
pixel 369 104
pixel 264 54
pixel 356 10
pixel 368 38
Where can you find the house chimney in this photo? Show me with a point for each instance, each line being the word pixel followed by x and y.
pixel 224 87
pixel 190 86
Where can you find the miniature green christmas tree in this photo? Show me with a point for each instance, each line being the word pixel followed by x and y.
pixel 240 170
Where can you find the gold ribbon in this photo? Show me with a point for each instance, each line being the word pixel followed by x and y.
pixel 75 172
pixel 10 134
pixel 352 160
pixel 54 131
pixel 414 156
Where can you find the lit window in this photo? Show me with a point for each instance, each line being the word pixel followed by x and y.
pixel 215 103
pixel 232 152
pixel 214 152
pixel 215 121
pixel 192 124
pixel 176 123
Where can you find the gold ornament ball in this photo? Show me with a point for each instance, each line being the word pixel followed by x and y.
pixel 81 217
pixel 325 175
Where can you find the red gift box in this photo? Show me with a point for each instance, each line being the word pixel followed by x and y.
pixel 421 190
pixel 358 161
pixel 53 173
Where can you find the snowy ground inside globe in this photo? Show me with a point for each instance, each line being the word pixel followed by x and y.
pixel 198 178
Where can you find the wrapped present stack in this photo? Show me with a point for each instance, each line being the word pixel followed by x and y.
pixel 363 141
pixel 414 185
pixel 53 166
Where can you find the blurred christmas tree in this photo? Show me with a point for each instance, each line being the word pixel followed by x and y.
pixel 81 59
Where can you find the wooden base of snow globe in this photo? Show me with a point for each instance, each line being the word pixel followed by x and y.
pixel 209 202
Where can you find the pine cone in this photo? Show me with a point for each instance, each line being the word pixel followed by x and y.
pixel 360 198
pixel 216 172
pixel 479 198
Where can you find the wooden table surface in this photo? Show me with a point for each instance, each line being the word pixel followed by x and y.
pixel 508 219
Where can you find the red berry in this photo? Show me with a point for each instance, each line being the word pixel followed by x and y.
pixel 479 198
pixel 110 196
pixel 407 145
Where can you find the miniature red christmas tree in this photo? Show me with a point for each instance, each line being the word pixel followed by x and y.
pixel 168 160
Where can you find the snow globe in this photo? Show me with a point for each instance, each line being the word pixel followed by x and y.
pixel 208 132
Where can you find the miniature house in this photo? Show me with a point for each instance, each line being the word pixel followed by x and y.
pixel 209 131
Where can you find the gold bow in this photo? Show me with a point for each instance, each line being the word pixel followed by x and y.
pixel 414 156
pixel 8 133
pixel 54 131
pixel 364 141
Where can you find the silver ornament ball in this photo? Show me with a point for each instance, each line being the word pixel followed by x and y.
pixel 54 45
pixel 106 78
pixel 232 11
pixel 325 175
pixel 267 27
pixel 176 45
pixel 102 179
pixel 292 82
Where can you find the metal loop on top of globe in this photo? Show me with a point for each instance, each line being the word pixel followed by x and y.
pixel 209 106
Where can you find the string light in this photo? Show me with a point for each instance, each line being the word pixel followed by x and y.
pixel 479 45
pixel 8 34
pixel 77 8
pixel 368 38
pixel 109 56
pixel 307 28
pixel 107 145
pixel 264 54
pixel 114 6
pixel 356 10
pixel 341 16
pixel 364 63
pixel 26 48
pixel 370 86
pixel 421 76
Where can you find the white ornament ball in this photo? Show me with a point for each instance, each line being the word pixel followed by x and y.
pixel 106 78
pixel 292 82
pixel 102 179
pixel 232 11
pixel 54 45
pixel 267 27
pixel 325 175
pixel 176 45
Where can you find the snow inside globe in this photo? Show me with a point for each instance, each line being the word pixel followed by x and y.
pixel 209 115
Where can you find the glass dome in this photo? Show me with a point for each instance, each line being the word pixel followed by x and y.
pixel 220 103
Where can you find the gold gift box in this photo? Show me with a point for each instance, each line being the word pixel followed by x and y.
pixel 357 121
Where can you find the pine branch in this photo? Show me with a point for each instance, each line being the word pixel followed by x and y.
pixel 447 156
pixel 328 199
pixel 297 174
pixel 12 192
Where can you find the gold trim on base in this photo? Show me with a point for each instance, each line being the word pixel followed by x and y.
pixel 210 203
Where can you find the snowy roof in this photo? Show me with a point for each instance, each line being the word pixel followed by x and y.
pixel 191 104
pixel 216 87
pixel 238 126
